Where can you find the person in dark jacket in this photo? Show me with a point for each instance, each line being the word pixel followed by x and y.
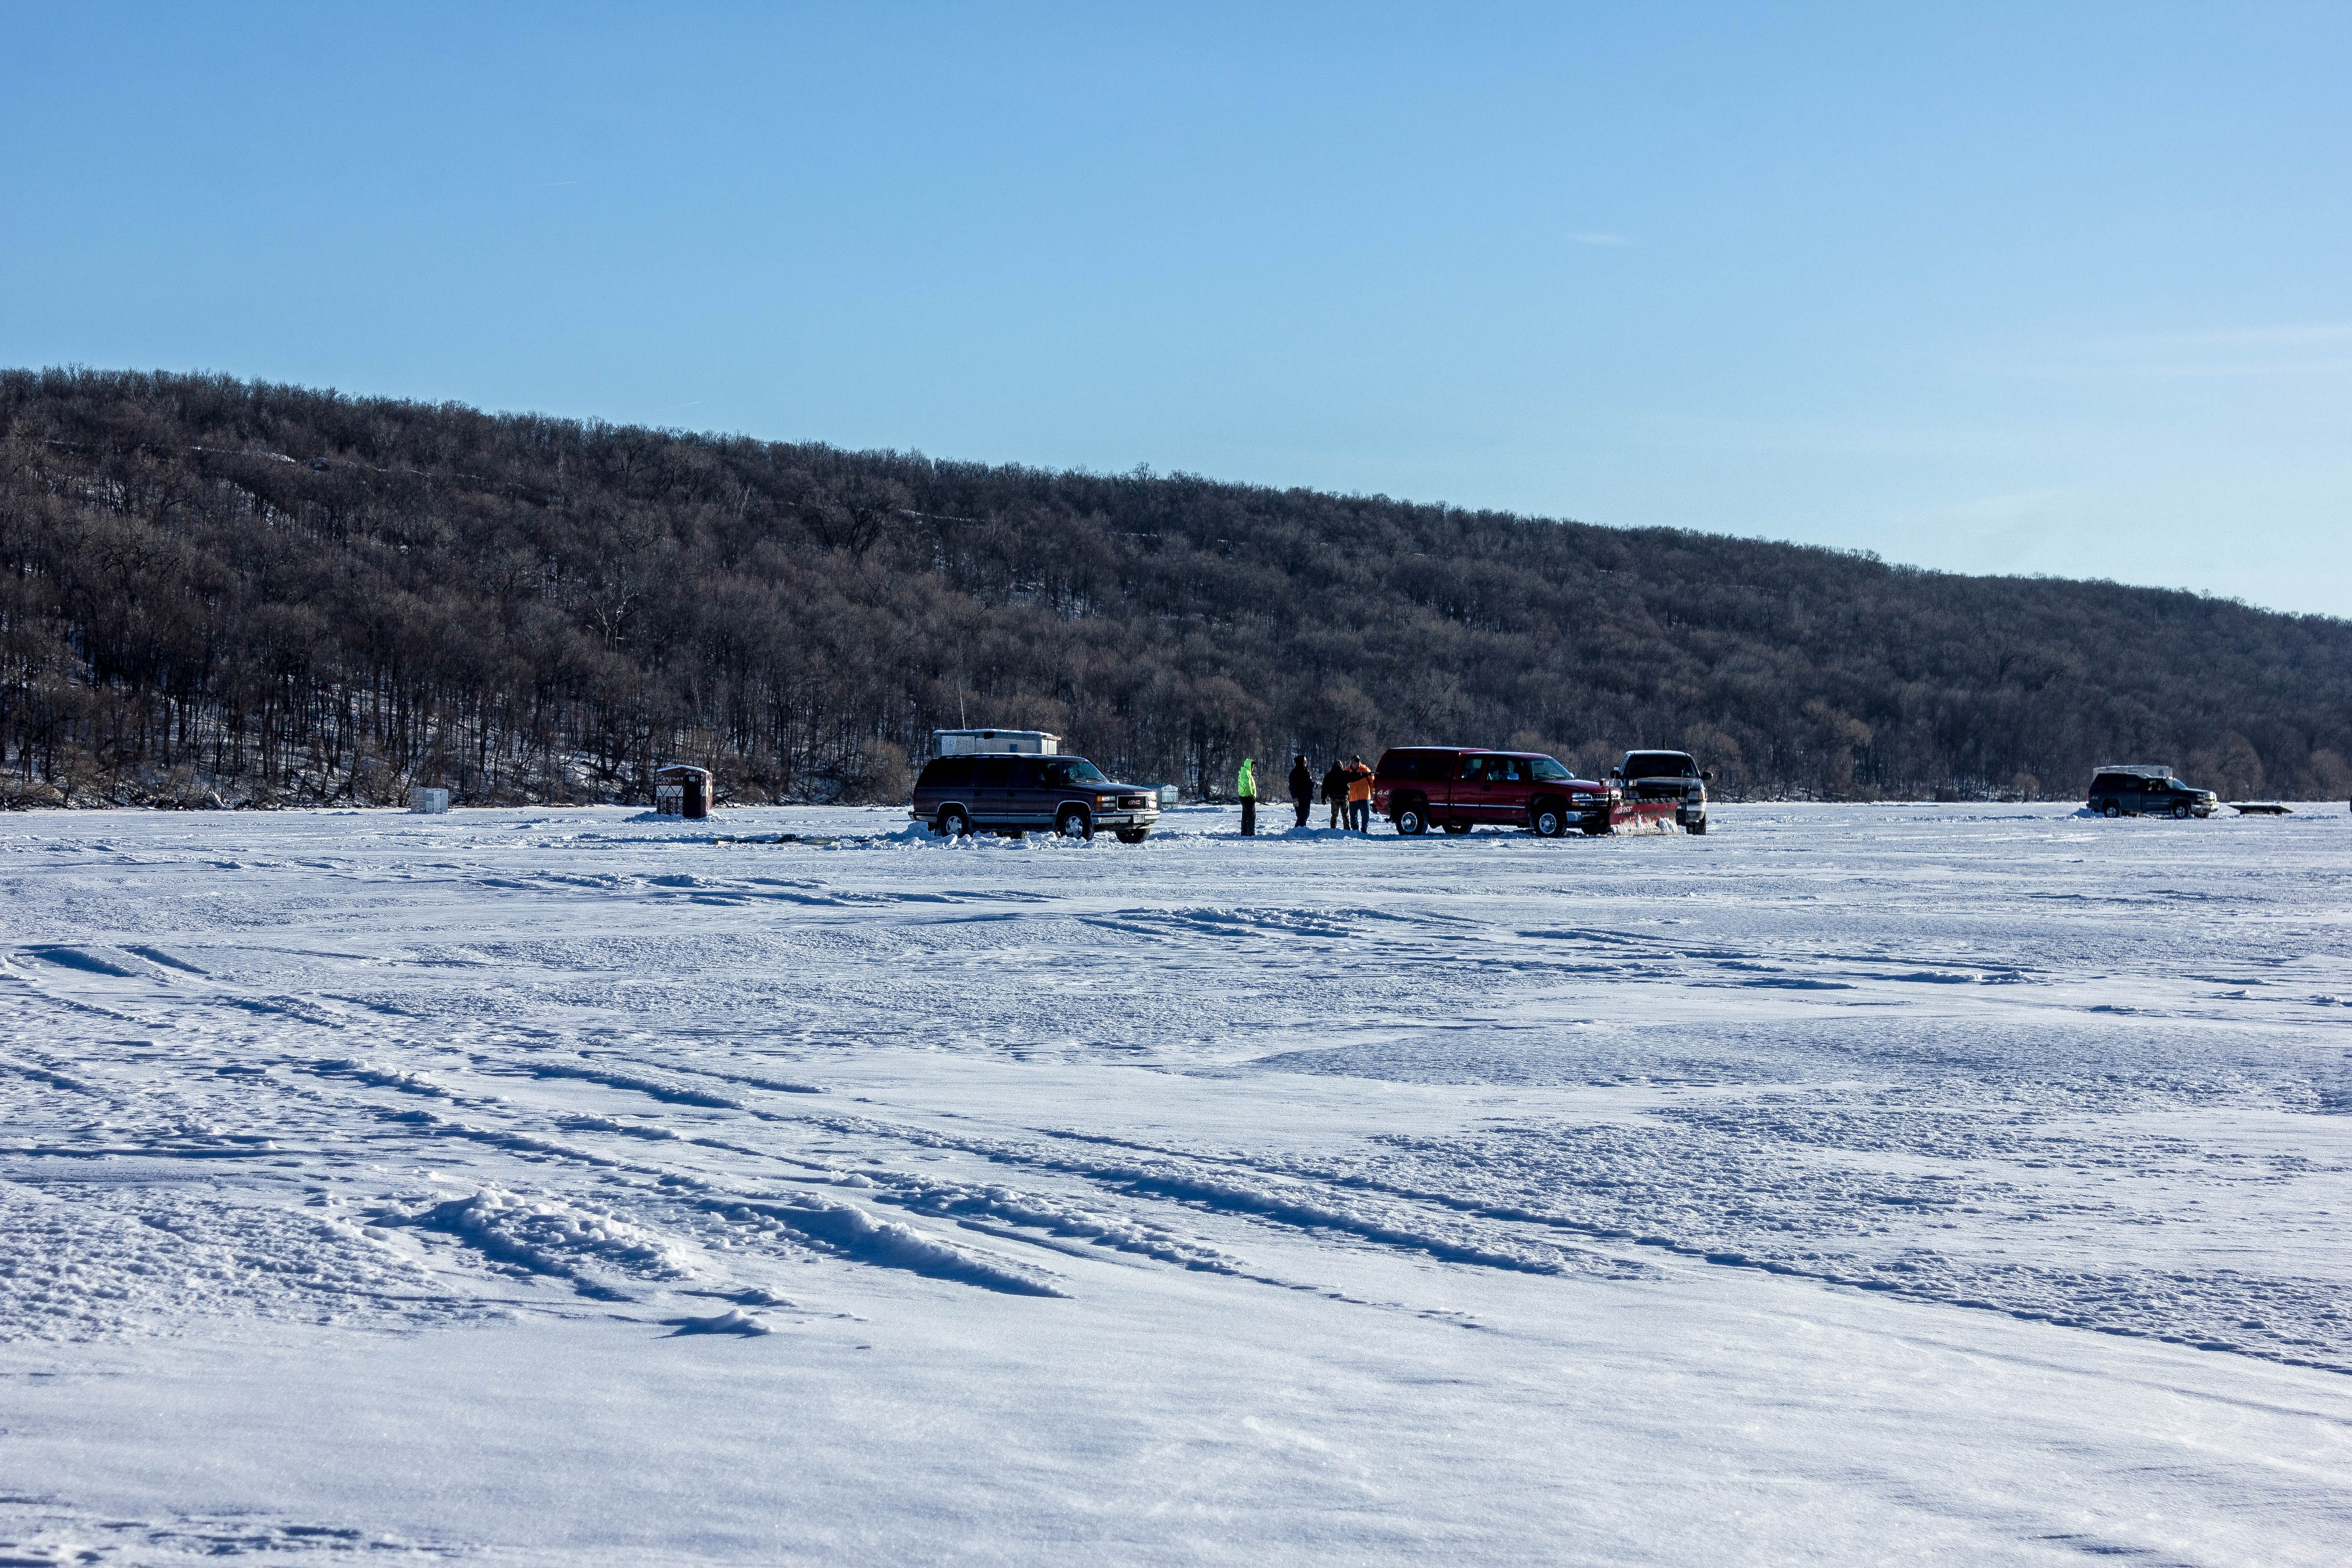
pixel 1302 789
pixel 1335 789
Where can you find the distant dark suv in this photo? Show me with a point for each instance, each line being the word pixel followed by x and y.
pixel 1458 788
pixel 2144 791
pixel 1013 795
pixel 1649 778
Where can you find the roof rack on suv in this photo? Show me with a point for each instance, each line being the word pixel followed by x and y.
pixel 2143 770
pixel 984 743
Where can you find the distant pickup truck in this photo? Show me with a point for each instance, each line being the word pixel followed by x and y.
pixel 1458 788
pixel 1672 780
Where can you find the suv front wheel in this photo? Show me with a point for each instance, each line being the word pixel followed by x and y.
pixel 1547 819
pixel 1073 823
pixel 1412 820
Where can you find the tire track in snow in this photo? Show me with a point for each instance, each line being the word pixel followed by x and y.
pixel 843 1228
pixel 851 1232
pixel 509 1227
pixel 1283 1199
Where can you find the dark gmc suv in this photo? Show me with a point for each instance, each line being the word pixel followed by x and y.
pixel 2137 790
pixel 1457 787
pixel 1011 796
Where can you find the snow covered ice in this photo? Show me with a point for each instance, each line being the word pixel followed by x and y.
pixel 1957 1184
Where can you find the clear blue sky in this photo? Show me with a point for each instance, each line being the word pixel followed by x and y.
pixel 1984 288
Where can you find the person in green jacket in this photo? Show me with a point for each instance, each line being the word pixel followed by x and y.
pixel 1245 786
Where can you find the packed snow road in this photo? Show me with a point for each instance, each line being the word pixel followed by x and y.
pixel 1853 1185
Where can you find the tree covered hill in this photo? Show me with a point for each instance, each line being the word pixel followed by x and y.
pixel 269 593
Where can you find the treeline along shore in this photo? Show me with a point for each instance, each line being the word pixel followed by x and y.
pixel 215 590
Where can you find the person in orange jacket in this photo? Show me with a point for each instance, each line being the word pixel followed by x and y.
pixel 1360 794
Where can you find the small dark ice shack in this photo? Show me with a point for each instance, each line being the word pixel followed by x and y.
pixel 682 789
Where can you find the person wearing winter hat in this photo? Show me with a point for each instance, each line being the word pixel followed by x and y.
pixel 1302 789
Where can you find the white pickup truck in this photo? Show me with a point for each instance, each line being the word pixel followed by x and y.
pixel 1652 779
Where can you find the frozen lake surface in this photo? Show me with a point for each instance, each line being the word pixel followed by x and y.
pixel 1955 1185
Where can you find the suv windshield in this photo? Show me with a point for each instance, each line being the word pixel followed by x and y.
pixel 1074 771
pixel 1550 770
pixel 1659 765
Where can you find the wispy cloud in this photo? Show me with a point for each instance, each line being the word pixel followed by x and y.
pixel 1599 239
pixel 2190 368
pixel 2291 349
pixel 2299 334
pixel 2006 534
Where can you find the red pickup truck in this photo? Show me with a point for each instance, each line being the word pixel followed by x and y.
pixel 1459 788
